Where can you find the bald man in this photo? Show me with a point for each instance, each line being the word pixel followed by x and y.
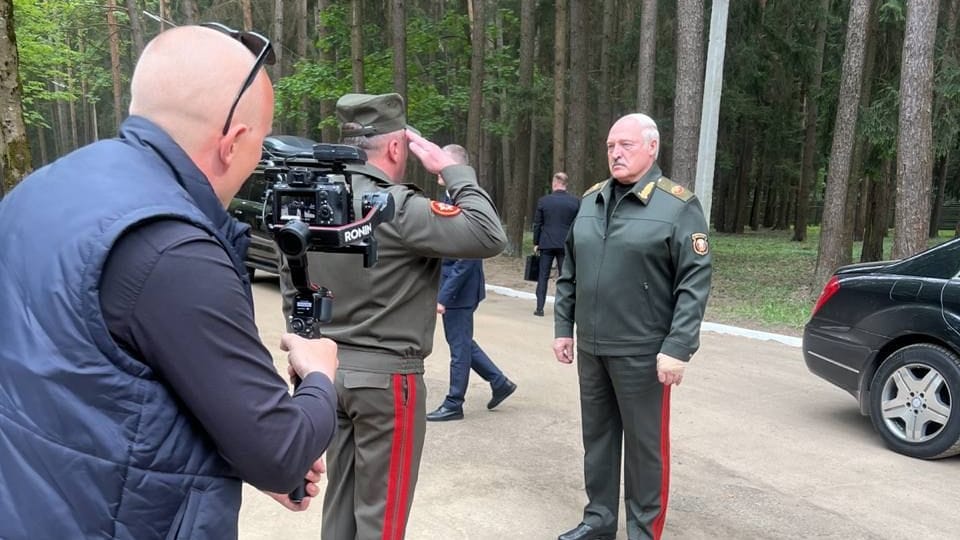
pixel 135 394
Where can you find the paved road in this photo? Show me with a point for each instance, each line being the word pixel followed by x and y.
pixel 761 450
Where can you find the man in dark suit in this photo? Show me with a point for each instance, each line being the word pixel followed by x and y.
pixel 551 223
pixel 461 291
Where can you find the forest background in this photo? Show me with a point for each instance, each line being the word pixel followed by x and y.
pixel 841 114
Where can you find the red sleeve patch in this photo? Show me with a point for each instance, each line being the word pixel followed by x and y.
pixel 443 209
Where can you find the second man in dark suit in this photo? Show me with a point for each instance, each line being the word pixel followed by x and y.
pixel 462 288
pixel 551 223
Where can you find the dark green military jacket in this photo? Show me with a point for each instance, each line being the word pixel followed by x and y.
pixel 637 284
pixel 387 313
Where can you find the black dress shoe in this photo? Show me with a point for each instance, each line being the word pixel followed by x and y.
pixel 586 532
pixel 502 393
pixel 442 414
pixel 538 313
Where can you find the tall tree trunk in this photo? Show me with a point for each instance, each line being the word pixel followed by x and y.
pixel 163 9
pixel 948 55
pixel 72 110
pixel 475 111
pixel 578 111
pixel 756 205
pixel 520 180
pixel 329 132
pixel 808 169
pixel 61 127
pixel 860 184
pixel 398 27
pixel 247 11
pixel 934 230
pixel 15 162
pixel 878 203
pixel 486 166
pixel 136 31
pixel 506 150
pixel 303 37
pixel 830 252
pixel 278 70
pixel 356 44
pixel 114 34
pixel 647 57
pixel 191 14
pixel 606 44
pixel 743 179
pixel 915 138
pixel 561 27
pixel 688 96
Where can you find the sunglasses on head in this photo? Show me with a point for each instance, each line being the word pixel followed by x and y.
pixel 261 49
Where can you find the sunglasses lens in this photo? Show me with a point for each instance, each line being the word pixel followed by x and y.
pixel 256 43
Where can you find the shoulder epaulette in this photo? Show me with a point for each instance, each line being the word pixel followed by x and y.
pixel 595 187
pixel 675 189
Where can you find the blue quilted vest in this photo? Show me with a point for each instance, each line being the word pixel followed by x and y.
pixel 92 444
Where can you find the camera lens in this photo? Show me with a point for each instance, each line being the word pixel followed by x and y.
pixel 294 238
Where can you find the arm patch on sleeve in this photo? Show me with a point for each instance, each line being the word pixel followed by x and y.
pixel 443 209
pixel 700 244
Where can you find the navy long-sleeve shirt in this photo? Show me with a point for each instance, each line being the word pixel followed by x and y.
pixel 172 299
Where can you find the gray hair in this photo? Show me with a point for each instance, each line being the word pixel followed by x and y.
pixel 458 153
pixel 648 128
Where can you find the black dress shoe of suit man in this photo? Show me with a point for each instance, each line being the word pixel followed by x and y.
pixel 586 532
pixel 502 393
pixel 442 414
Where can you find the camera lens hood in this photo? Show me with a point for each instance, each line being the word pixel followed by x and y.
pixel 293 239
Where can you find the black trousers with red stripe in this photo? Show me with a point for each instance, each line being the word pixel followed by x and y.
pixel 374 458
pixel 622 404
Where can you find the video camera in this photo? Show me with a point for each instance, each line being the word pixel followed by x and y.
pixel 310 208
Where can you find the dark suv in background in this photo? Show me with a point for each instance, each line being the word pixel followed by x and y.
pixel 247 205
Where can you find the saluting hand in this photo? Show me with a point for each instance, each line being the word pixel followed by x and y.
pixel 670 369
pixel 563 349
pixel 433 157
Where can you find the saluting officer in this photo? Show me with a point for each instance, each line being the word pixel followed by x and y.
pixel 384 316
pixel 635 281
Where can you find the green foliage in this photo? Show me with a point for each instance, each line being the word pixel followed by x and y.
pixel 49 38
pixel 438 78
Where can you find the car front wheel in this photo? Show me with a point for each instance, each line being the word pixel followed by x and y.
pixel 915 401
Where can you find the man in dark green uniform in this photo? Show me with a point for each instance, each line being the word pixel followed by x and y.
pixel 635 282
pixel 384 316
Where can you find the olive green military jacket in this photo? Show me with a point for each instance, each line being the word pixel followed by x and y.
pixel 639 284
pixel 391 308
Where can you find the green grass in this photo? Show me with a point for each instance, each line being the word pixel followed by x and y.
pixel 762 280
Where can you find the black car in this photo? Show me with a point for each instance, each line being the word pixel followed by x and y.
pixel 247 205
pixel 889 334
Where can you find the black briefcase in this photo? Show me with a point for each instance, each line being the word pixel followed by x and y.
pixel 532 268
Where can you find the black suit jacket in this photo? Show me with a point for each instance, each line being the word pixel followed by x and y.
pixel 551 223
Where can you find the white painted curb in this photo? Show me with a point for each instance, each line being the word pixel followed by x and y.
pixel 706 326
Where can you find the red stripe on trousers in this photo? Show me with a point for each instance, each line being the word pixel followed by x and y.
pixel 401 453
pixel 661 518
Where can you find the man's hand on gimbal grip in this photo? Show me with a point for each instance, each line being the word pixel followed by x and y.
pixel 306 356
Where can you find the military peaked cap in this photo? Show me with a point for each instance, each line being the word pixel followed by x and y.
pixel 376 114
